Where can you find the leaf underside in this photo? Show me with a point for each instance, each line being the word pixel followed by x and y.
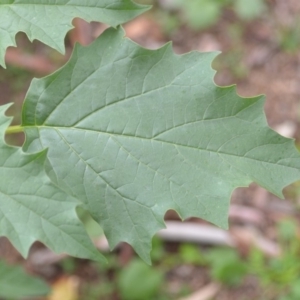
pixel 34 209
pixel 132 133
pixel 50 20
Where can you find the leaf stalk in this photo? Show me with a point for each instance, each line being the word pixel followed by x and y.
pixel 14 129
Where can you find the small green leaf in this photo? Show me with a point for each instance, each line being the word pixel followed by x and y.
pixel 249 10
pixel 226 266
pixel 50 20
pixel 16 284
pixel 132 133
pixel 33 209
pixel 139 281
pixel 201 14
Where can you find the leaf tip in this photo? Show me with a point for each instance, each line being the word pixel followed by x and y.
pixel 142 7
pixel 98 257
pixel 2 63
pixel 5 120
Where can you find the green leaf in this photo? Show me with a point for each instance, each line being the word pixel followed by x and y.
pixel 139 281
pixel 16 284
pixel 33 209
pixel 249 10
pixel 50 20
pixel 133 133
pixel 201 13
pixel 226 266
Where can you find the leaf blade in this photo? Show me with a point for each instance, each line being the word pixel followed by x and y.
pixel 150 131
pixel 33 209
pixel 50 20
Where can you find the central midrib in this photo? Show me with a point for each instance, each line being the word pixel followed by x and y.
pixel 154 140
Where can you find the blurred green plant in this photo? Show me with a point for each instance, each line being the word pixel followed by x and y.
pixel 226 266
pixel 140 281
pixel 279 276
pixel 192 254
pixel 201 14
pixel 249 10
pixel 289 37
pixel 68 265
pixel 97 291
pixel 16 284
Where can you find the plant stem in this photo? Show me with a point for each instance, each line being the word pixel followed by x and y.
pixel 14 129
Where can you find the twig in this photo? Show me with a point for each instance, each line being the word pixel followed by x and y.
pixel 197 233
